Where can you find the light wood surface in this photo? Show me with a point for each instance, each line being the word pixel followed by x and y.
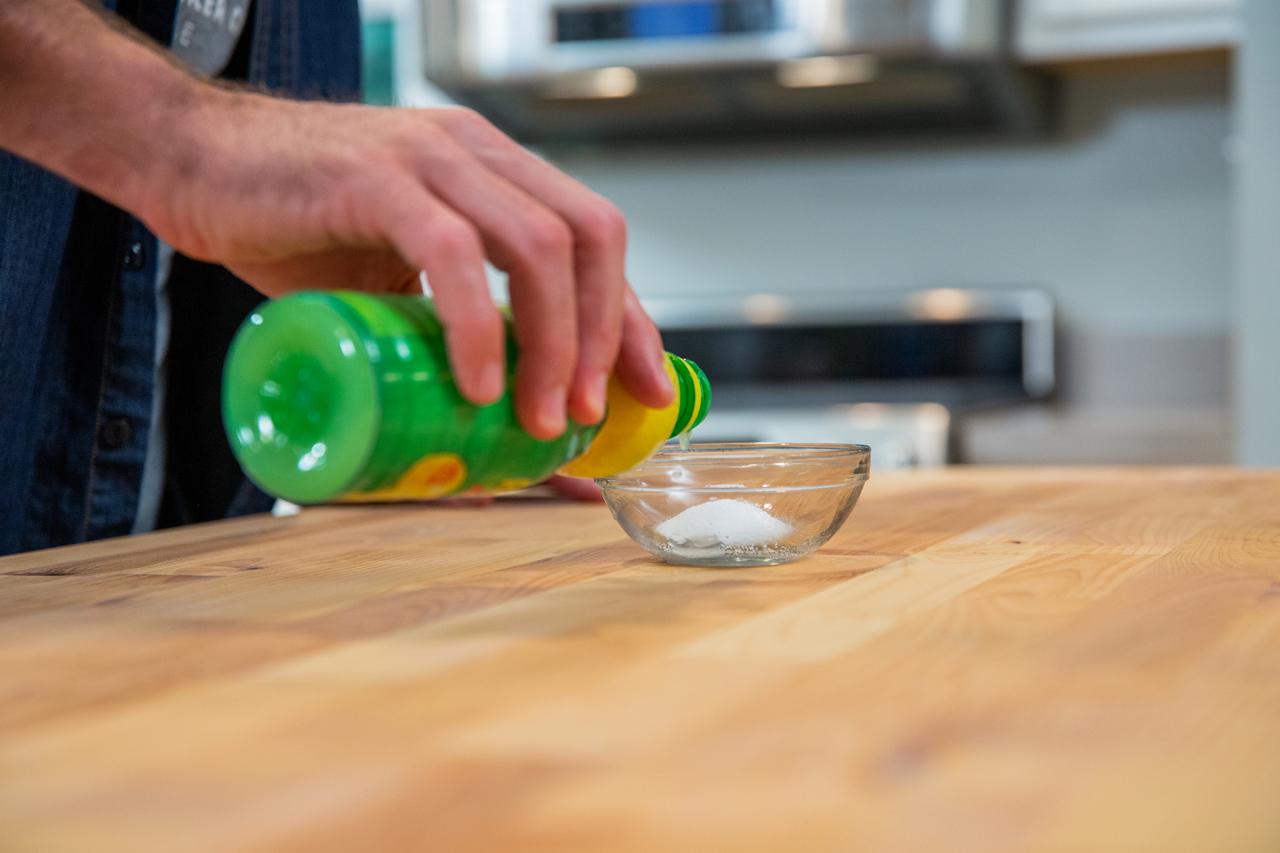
pixel 1027 660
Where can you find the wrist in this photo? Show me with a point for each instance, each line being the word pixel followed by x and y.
pixel 116 140
pixel 158 144
pixel 194 162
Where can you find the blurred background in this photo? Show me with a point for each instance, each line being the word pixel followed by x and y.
pixel 974 231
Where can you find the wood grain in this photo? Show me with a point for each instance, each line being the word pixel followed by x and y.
pixel 1016 660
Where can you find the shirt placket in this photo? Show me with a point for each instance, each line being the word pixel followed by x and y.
pixel 123 411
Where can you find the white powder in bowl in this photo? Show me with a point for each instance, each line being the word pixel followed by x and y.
pixel 727 523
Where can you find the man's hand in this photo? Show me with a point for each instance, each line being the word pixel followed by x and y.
pixel 300 195
pixel 293 195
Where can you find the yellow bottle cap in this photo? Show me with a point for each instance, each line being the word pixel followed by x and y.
pixel 632 431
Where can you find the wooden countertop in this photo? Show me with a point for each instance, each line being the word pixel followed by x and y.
pixel 995 661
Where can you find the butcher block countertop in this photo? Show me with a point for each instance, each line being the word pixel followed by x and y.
pixel 1015 660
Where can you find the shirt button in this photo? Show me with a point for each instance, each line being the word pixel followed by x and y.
pixel 115 434
pixel 135 258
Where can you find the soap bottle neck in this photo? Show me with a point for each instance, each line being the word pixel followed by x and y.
pixel 693 395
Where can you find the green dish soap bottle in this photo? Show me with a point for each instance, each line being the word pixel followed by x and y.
pixel 341 396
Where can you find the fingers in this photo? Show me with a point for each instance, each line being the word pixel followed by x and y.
pixel 432 237
pixel 546 333
pixel 641 361
pixel 599 252
pixel 599 264
pixel 535 247
pixel 576 488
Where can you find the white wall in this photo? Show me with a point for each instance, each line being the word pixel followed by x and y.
pixel 1257 392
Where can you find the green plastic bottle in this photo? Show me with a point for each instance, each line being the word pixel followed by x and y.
pixel 346 396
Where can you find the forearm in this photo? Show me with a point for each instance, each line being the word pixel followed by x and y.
pixel 86 99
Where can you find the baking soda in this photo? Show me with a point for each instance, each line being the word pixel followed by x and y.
pixel 725 523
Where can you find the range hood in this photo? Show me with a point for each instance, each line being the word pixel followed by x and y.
pixel 548 70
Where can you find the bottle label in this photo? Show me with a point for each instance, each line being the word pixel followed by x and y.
pixel 434 476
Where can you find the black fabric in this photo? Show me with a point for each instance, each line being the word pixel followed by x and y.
pixel 153 17
pixel 203 481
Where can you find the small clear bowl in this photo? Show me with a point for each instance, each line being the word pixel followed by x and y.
pixel 730 505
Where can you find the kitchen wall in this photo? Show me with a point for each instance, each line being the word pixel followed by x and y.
pixel 1257 396
pixel 1123 214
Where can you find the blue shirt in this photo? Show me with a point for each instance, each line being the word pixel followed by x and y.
pixel 79 314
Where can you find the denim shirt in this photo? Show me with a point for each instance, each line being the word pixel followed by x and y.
pixel 78 320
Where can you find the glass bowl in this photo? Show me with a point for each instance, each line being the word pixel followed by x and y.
pixel 738 504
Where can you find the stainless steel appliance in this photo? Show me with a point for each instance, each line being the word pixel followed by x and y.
pixel 551 69
pixel 886 370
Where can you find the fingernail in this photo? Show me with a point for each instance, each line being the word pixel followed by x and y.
pixel 551 411
pixel 597 390
pixel 661 376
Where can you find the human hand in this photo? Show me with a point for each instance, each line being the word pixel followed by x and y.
pixel 576 488
pixel 296 195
